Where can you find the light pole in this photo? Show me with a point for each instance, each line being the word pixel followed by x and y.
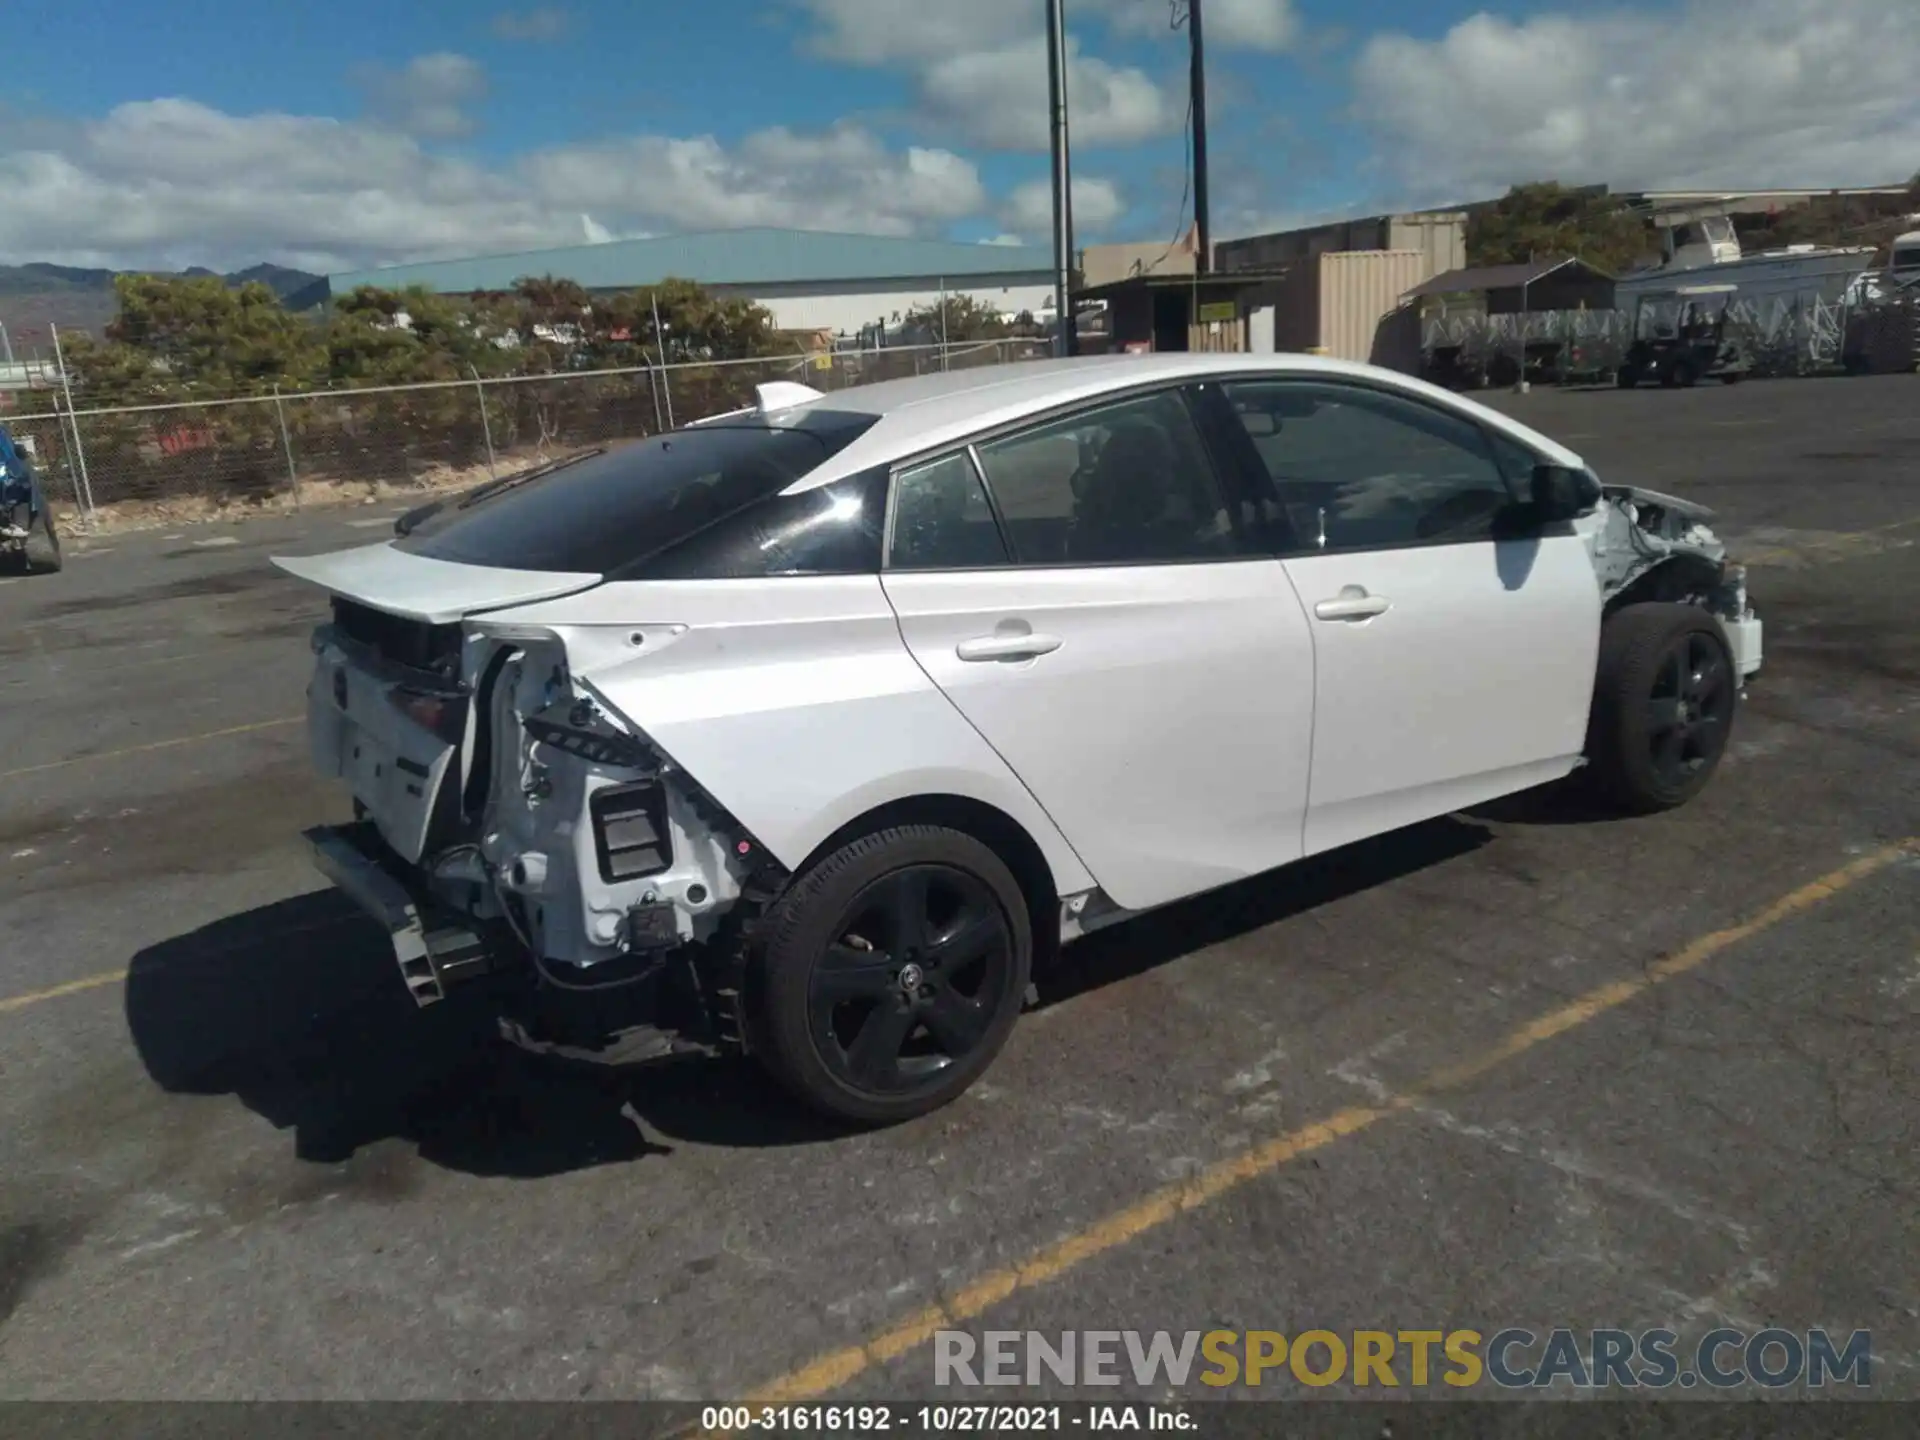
pixel 1197 91
pixel 1067 343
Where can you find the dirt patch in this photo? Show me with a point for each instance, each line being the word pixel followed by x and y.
pixel 216 827
pixel 30 1251
pixel 230 583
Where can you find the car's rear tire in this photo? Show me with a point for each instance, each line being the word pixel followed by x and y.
pixel 1664 700
pixel 41 548
pixel 891 974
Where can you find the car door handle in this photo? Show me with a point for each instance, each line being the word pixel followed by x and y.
pixel 1353 603
pixel 1006 647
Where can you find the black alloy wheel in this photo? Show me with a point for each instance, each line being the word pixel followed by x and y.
pixel 1690 709
pixel 1664 701
pixel 912 984
pixel 892 972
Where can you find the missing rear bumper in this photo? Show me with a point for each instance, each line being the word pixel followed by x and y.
pixel 435 948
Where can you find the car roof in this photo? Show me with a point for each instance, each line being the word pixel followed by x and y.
pixel 926 413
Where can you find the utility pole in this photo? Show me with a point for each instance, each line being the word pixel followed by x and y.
pixel 1197 89
pixel 1068 340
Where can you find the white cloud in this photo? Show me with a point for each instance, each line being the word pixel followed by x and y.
pixel 979 68
pixel 548 22
pixel 1097 203
pixel 429 96
pixel 998 98
pixel 1720 93
pixel 883 32
pixel 175 183
pixel 843 178
pixel 1008 239
pixel 887 32
pixel 1267 25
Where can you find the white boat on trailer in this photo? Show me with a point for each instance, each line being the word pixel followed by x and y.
pixel 1701 247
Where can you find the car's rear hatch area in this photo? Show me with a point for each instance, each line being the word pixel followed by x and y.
pixel 390 706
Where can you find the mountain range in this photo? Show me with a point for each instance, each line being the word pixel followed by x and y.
pixel 36 295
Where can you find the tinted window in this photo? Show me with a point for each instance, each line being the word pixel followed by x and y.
pixel 834 530
pixel 1125 484
pixel 1368 470
pixel 941 519
pixel 613 511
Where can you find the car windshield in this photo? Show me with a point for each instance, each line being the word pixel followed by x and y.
pixel 608 511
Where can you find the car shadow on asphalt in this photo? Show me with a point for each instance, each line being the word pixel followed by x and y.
pixel 295 1009
pixel 1162 936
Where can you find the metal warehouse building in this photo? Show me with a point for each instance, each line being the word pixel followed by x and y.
pixel 810 280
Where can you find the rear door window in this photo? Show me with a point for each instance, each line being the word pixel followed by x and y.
pixel 941 519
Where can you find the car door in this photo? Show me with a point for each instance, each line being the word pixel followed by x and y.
pixel 1453 654
pixel 1085 594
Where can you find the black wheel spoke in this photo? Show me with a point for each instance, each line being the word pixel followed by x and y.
pixel 1662 715
pixel 955 1021
pixel 906 908
pixel 1672 678
pixel 874 1057
pixel 976 934
pixel 1669 751
pixel 846 973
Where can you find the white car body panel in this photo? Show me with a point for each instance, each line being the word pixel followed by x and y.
pixel 419 588
pixel 1168 732
pixel 1474 682
pixel 791 700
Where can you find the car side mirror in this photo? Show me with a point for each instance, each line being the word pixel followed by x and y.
pixel 1559 493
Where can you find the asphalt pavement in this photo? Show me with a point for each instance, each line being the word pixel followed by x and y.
pixel 1521 1067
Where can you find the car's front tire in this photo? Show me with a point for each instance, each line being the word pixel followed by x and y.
pixel 892 972
pixel 1663 705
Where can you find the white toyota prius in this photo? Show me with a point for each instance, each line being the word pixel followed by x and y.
pixel 811 730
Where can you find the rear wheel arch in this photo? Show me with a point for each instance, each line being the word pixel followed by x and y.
pixel 988 824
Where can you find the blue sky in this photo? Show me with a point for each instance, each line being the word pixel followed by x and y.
pixel 361 132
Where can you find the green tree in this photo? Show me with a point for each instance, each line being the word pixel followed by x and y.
pixel 212 338
pixel 1538 220
pixel 966 318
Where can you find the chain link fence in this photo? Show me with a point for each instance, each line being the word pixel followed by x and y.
pixel 1782 335
pixel 321 446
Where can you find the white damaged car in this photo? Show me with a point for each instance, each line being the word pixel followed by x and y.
pixel 818 726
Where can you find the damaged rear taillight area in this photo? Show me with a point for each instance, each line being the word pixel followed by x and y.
pixel 597 846
pixel 630 833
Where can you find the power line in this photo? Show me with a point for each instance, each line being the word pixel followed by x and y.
pixel 1176 18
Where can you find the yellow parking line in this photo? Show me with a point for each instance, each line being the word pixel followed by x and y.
pixel 154 745
pixel 829 1372
pixel 54 992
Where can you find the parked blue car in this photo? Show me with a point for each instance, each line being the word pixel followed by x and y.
pixel 28 535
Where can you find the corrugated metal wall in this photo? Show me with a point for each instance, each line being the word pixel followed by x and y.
pixel 1358 290
pixel 1441 238
pixel 1338 304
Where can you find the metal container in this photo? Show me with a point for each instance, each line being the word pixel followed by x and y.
pixel 1347 304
